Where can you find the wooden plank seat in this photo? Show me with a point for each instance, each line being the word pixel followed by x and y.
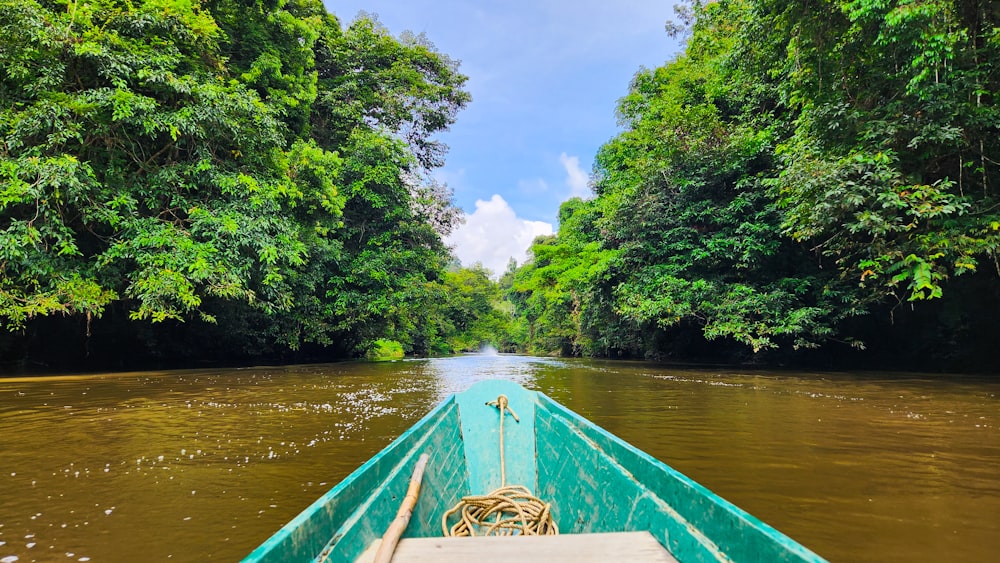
pixel 639 547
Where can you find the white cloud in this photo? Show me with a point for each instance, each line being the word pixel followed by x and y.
pixel 576 178
pixel 493 234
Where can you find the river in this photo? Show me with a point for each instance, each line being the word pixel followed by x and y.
pixel 205 464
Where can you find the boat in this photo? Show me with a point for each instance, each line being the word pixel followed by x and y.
pixel 608 499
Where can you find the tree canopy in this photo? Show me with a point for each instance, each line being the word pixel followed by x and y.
pixel 254 173
pixel 230 180
pixel 801 176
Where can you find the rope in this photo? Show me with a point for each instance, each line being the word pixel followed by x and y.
pixel 514 509
pixel 502 403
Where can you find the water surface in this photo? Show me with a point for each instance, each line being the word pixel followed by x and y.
pixel 204 465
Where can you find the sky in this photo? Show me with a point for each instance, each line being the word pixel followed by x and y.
pixel 545 77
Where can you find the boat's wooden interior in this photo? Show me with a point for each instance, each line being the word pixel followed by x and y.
pixel 639 547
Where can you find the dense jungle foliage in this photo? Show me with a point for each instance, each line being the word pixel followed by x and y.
pixel 807 180
pixel 226 180
pixel 222 180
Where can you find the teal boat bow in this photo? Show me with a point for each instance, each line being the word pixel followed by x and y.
pixel 595 482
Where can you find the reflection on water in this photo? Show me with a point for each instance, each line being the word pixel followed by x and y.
pixel 196 465
pixel 455 374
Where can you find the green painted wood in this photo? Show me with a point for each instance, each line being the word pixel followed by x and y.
pixel 359 509
pixel 606 485
pixel 481 430
pixel 595 481
pixel 445 482
pixel 443 486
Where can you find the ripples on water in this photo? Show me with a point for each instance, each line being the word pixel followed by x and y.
pixel 197 465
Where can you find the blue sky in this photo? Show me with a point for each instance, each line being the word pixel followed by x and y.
pixel 545 77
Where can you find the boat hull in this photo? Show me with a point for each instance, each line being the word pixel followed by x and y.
pixel 595 482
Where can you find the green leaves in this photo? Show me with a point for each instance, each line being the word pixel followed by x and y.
pixel 369 80
pixel 699 236
pixel 124 174
pixel 888 192
pixel 799 164
pixel 22 299
pixel 221 161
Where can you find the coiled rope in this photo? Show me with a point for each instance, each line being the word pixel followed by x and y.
pixel 507 511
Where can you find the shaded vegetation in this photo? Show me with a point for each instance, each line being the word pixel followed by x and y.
pixel 805 182
pixel 233 181
pixel 221 180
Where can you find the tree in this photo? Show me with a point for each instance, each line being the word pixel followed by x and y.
pixel 784 183
pixel 379 103
pixel 190 163
pixel 404 88
pixel 688 208
pixel 891 169
pixel 132 169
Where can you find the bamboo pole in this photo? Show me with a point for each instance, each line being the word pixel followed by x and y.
pixel 395 531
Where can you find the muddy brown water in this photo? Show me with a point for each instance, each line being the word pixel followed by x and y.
pixel 205 465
